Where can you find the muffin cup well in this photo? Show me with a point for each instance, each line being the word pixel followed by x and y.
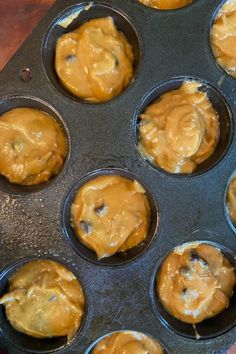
pixel 92 346
pixel 10 102
pixel 165 10
pixel 121 257
pixel 208 328
pixel 210 49
pixel 78 15
pixel 227 215
pixel 220 105
pixel 22 341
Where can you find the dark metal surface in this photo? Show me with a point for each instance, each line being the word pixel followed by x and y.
pixel 172 44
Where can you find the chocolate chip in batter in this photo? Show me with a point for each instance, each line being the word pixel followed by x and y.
pixel 17 146
pixel 71 58
pixel 184 291
pixel 52 298
pixel 86 226
pixel 194 257
pixel 184 270
pixel 101 210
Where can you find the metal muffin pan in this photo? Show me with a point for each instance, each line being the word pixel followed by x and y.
pixel 169 45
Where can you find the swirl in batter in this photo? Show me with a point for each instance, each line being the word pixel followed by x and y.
pixel 95 62
pixel 180 130
pixel 33 146
pixel 128 342
pixel 110 214
pixel 223 37
pixel 44 300
pixel 195 282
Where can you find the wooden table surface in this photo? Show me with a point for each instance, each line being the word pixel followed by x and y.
pixel 17 20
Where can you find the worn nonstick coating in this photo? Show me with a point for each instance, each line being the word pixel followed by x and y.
pixel 170 45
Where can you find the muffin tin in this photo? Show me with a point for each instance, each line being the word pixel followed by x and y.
pixel 168 46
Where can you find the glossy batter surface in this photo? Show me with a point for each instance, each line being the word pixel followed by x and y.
pixel 195 282
pixel 128 342
pixel 44 300
pixel 110 214
pixel 95 62
pixel 231 200
pixel 223 37
pixel 179 130
pixel 33 146
pixel 166 4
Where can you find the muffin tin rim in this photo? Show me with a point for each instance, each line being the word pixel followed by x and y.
pixel 99 339
pixel 153 294
pixel 13 266
pixel 40 187
pixel 212 58
pixel 111 171
pixel 171 11
pixel 226 212
pixel 63 92
pixel 135 119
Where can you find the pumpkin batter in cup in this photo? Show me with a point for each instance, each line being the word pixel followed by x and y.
pixel 95 62
pixel 223 37
pixel 166 4
pixel 195 282
pixel 231 200
pixel 33 146
pixel 44 300
pixel 180 130
pixel 110 214
pixel 128 342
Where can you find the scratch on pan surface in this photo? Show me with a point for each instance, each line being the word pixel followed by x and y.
pixel 221 80
pixel 197 335
pixel 117 314
pixel 65 22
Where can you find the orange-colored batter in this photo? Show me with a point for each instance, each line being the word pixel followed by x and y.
pixel 33 146
pixel 231 199
pixel 166 4
pixel 180 130
pixel 128 342
pixel 110 214
pixel 223 37
pixel 195 282
pixel 95 62
pixel 44 300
